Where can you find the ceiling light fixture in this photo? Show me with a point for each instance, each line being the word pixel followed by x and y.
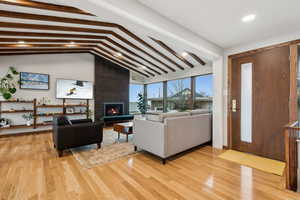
pixel 184 54
pixel 144 67
pixel 21 42
pixel 118 54
pixel 248 18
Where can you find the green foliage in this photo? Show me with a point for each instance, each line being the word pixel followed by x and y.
pixel 28 117
pixel 141 103
pixel 8 83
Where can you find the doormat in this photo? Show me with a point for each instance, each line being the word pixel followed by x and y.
pixel 257 162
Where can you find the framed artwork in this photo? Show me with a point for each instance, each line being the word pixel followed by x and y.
pixel 34 81
pixel 74 89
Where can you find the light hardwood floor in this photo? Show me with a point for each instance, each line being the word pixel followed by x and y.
pixel 30 169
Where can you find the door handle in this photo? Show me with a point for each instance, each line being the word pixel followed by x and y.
pixel 233 105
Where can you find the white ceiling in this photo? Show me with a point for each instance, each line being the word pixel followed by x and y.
pixel 220 21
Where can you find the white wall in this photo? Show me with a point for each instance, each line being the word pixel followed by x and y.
pixel 66 66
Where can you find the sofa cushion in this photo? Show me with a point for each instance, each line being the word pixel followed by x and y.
pixel 199 111
pixel 153 117
pixel 164 116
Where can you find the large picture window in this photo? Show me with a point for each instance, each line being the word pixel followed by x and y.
pixel 134 90
pixel 204 92
pixel 155 97
pixel 179 95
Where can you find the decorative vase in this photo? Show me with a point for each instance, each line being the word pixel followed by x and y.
pixel 28 123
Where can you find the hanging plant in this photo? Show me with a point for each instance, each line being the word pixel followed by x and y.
pixel 8 83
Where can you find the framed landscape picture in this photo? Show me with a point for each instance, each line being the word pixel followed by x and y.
pixel 34 81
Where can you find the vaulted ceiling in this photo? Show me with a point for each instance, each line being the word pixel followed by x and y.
pixel 36 27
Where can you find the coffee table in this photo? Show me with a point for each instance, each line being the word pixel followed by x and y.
pixel 124 128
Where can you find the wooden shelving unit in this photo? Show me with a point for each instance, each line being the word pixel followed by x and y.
pixel 37 115
pixel 16 111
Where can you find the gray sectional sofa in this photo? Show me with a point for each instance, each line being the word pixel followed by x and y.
pixel 167 134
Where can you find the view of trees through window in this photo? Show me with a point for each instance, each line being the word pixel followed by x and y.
pixel 179 96
pixel 155 97
pixel 134 90
pixel 204 91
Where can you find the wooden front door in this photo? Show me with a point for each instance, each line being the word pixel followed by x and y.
pixel 260 102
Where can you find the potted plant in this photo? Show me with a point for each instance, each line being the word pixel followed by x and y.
pixel 8 83
pixel 28 118
pixel 141 104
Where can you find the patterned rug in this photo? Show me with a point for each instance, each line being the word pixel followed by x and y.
pixel 112 149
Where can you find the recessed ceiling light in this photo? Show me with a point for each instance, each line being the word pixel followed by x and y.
pixel 248 18
pixel 21 42
pixel 184 54
pixel 118 54
pixel 144 67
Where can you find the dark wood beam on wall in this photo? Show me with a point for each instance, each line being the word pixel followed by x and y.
pixel 174 53
pixel 197 58
pixel 45 6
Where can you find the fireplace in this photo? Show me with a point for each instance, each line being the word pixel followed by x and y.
pixel 113 109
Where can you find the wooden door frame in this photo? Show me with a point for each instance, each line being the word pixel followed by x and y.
pixel 293 82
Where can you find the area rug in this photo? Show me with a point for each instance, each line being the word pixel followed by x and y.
pixel 257 162
pixel 112 149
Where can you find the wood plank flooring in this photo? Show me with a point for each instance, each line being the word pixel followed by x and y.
pixel 30 169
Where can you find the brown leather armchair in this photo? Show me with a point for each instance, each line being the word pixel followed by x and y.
pixel 74 133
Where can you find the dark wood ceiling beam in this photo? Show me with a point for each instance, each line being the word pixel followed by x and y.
pixel 53 28
pixel 120 58
pixel 56 35
pixel 151 47
pixel 29 40
pixel 45 45
pixel 45 6
pixel 174 53
pixel 134 54
pixel 94 23
pixel 128 57
pixel 30 49
pixel 78 29
pixel 77 42
pixel 118 62
pixel 199 60
pixel 40 52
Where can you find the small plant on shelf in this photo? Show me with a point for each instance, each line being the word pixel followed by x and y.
pixel 8 84
pixel 28 118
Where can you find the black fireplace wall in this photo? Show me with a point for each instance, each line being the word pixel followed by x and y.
pixel 111 85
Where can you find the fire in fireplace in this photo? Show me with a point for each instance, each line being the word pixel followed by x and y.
pixel 113 109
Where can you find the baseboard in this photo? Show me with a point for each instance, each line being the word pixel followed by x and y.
pixel 25 133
